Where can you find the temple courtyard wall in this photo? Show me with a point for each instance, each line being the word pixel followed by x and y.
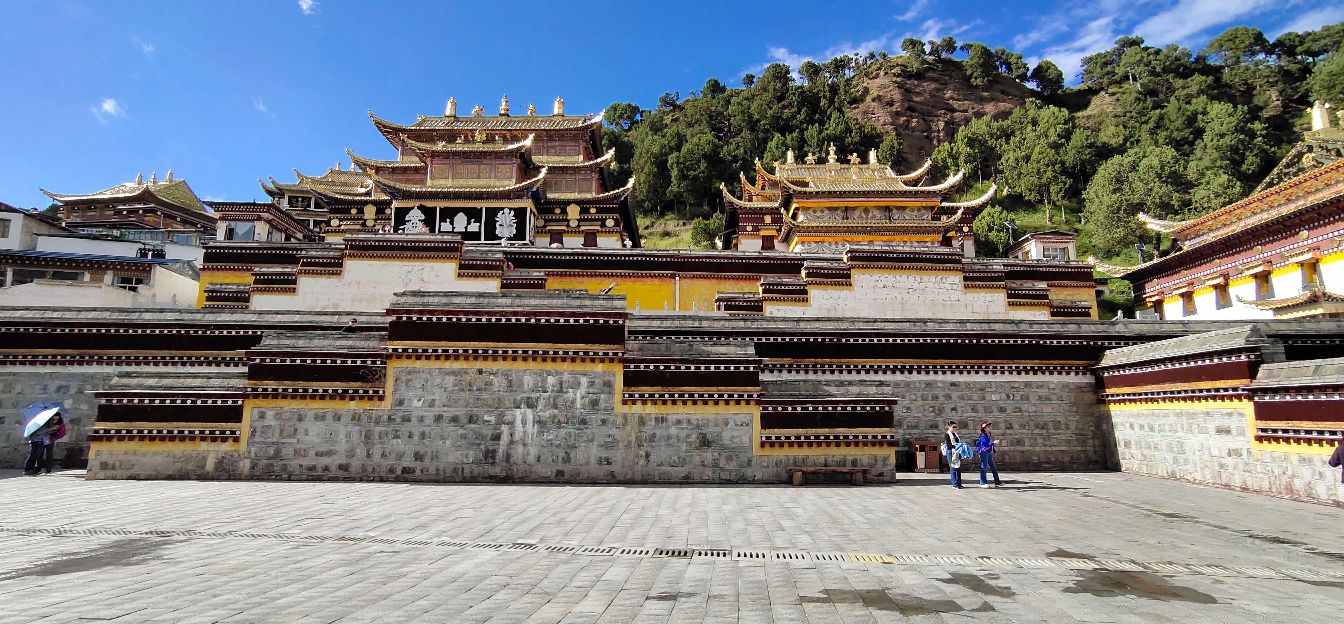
pixel 571 388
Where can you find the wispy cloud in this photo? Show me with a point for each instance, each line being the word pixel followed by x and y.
pixel 793 59
pixel 1313 20
pixel 1098 34
pixel 915 9
pixel 1192 17
pixel 308 7
pixel 260 105
pixel 935 28
pixel 107 110
pixel 146 47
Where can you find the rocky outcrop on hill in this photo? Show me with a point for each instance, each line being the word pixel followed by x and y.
pixel 926 110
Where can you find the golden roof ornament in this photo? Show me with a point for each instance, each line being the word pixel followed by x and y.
pixel 531 110
pixel 480 135
pixel 811 159
pixel 854 158
pixel 788 156
pixel 451 109
pixel 170 176
pixel 872 156
pixel 477 110
pixel 139 178
pixel 153 177
pixel 559 108
pixel 461 138
pixel 830 154
pixel 504 106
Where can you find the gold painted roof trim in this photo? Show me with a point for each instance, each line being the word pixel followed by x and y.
pixel 174 192
pixel 367 163
pixel 751 189
pixel 1313 294
pixel 612 194
pixel 1113 270
pixel 917 173
pixel 974 203
pixel 728 197
pixel 447 146
pixel 813 225
pixel 525 184
pixel 760 171
pixel 596 162
pixel 1160 225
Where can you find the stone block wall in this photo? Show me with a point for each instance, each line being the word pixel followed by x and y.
pixel 1211 445
pixel 1042 422
pixel 160 463
pixel 69 386
pixel 508 424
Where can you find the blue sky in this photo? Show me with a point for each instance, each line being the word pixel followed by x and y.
pixel 224 93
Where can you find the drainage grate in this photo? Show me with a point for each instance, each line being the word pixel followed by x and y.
pixel 1167 568
pixel 453 544
pixel 830 557
pixel 913 559
pixel 521 547
pixel 1121 566
pixel 719 553
pixel 486 546
pixel 560 549
pixel 673 552
pixel 635 552
pixel 870 558
pixel 789 555
pixel 748 555
pixel 1077 564
pixel 596 550
pixel 956 560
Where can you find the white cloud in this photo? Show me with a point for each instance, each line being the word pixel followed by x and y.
pixel 933 29
pixel 1313 20
pixel 260 106
pixel 308 7
pixel 146 47
pixel 1192 17
pixel 107 109
pixel 1099 34
pixel 1042 32
pixel 915 9
pixel 215 198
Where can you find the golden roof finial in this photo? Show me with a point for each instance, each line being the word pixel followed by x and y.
pixel 811 159
pixel 830 154
pixel 559 108
pixel 531 110
pixel 504 106
pixel 139 178
pixel 451 109
pixel 872 156
pixel 853 158
pixel 170 176
pixel 153 177
pixel 477 110
pixel 480 136
pixel 788 156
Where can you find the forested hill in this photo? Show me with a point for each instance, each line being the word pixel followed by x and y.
pixel 1167 131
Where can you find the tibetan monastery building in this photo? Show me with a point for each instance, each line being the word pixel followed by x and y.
pixel 1276 254
pixel 829 207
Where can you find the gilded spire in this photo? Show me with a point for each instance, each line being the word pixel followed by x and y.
pixel 450 110
pixel 872 156
pixel 170 176
pixel 477 110
pixel 830 154
pixel 559 108
pixel 504 106
pixel 788 156
pixel 153 177
pixel 139 178
pixel 531 110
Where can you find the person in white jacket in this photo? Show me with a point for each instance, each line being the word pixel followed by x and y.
pixel 950 442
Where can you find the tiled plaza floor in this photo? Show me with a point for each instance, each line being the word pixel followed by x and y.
pixel 1047 548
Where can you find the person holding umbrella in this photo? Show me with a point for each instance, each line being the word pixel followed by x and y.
pixel 38 430
pixel 57 428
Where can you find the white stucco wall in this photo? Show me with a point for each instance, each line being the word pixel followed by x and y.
pixel 165 289
pixel 130 249
pixel 368 286
pixel 905 295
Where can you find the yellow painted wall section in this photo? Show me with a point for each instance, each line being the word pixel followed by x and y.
pixel 660 292
pixel 209 277
pixel 1246 406
pixel 1077 294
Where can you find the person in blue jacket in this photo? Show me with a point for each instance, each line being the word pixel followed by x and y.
pixel 984 445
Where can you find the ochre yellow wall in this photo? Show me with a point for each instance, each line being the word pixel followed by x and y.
pixel 653 293
pixel 220 277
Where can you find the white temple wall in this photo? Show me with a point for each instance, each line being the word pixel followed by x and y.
pixel 905 295
pixel 368 286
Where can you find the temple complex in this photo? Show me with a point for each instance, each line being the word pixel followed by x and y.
pixel 828 207
pixel 529 179
pixel 163 210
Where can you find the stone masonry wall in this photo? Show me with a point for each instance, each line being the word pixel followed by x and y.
pixel 1042 422
pixel 1212 446
pixel 201 463
pixel 461 424
pixel 67 385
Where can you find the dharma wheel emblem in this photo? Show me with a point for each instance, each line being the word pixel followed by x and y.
pixel 505 224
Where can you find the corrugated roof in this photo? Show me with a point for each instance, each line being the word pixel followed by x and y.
pixel 1194 344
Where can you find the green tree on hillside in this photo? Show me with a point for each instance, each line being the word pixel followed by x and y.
pixel 1145 179
pixel 1047 78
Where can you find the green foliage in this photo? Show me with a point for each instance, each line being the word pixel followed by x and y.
pixel 980 64
pixel 992 234
pixel 889 151
pixel 705 231
pixel 1119 293
pixel 1149 179
pixel 1049 80
pixel 1327 80
pixel 1236 45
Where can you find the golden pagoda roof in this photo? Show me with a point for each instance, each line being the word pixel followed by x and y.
pixel 169 191
pixel 1305 190
pixel 467 146
pixel 615 194
pixel 433 189
pixel 370 163
pixel 821 226
pixel 858 185
pixel 974 203
pixel 751 189
pixel 488 122
pixel 728 197
pixel 846 171
pixel 560 164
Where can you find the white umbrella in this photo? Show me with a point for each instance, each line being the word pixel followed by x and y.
pixel 40 419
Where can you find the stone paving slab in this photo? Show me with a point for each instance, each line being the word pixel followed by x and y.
pixel 1093 547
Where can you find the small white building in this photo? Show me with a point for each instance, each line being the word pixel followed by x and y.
pixel 1048 245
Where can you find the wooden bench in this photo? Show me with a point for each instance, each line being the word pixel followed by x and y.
pixel 856 474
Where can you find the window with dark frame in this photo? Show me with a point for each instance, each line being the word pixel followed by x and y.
pixel 1188 304
pixel 1222 296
